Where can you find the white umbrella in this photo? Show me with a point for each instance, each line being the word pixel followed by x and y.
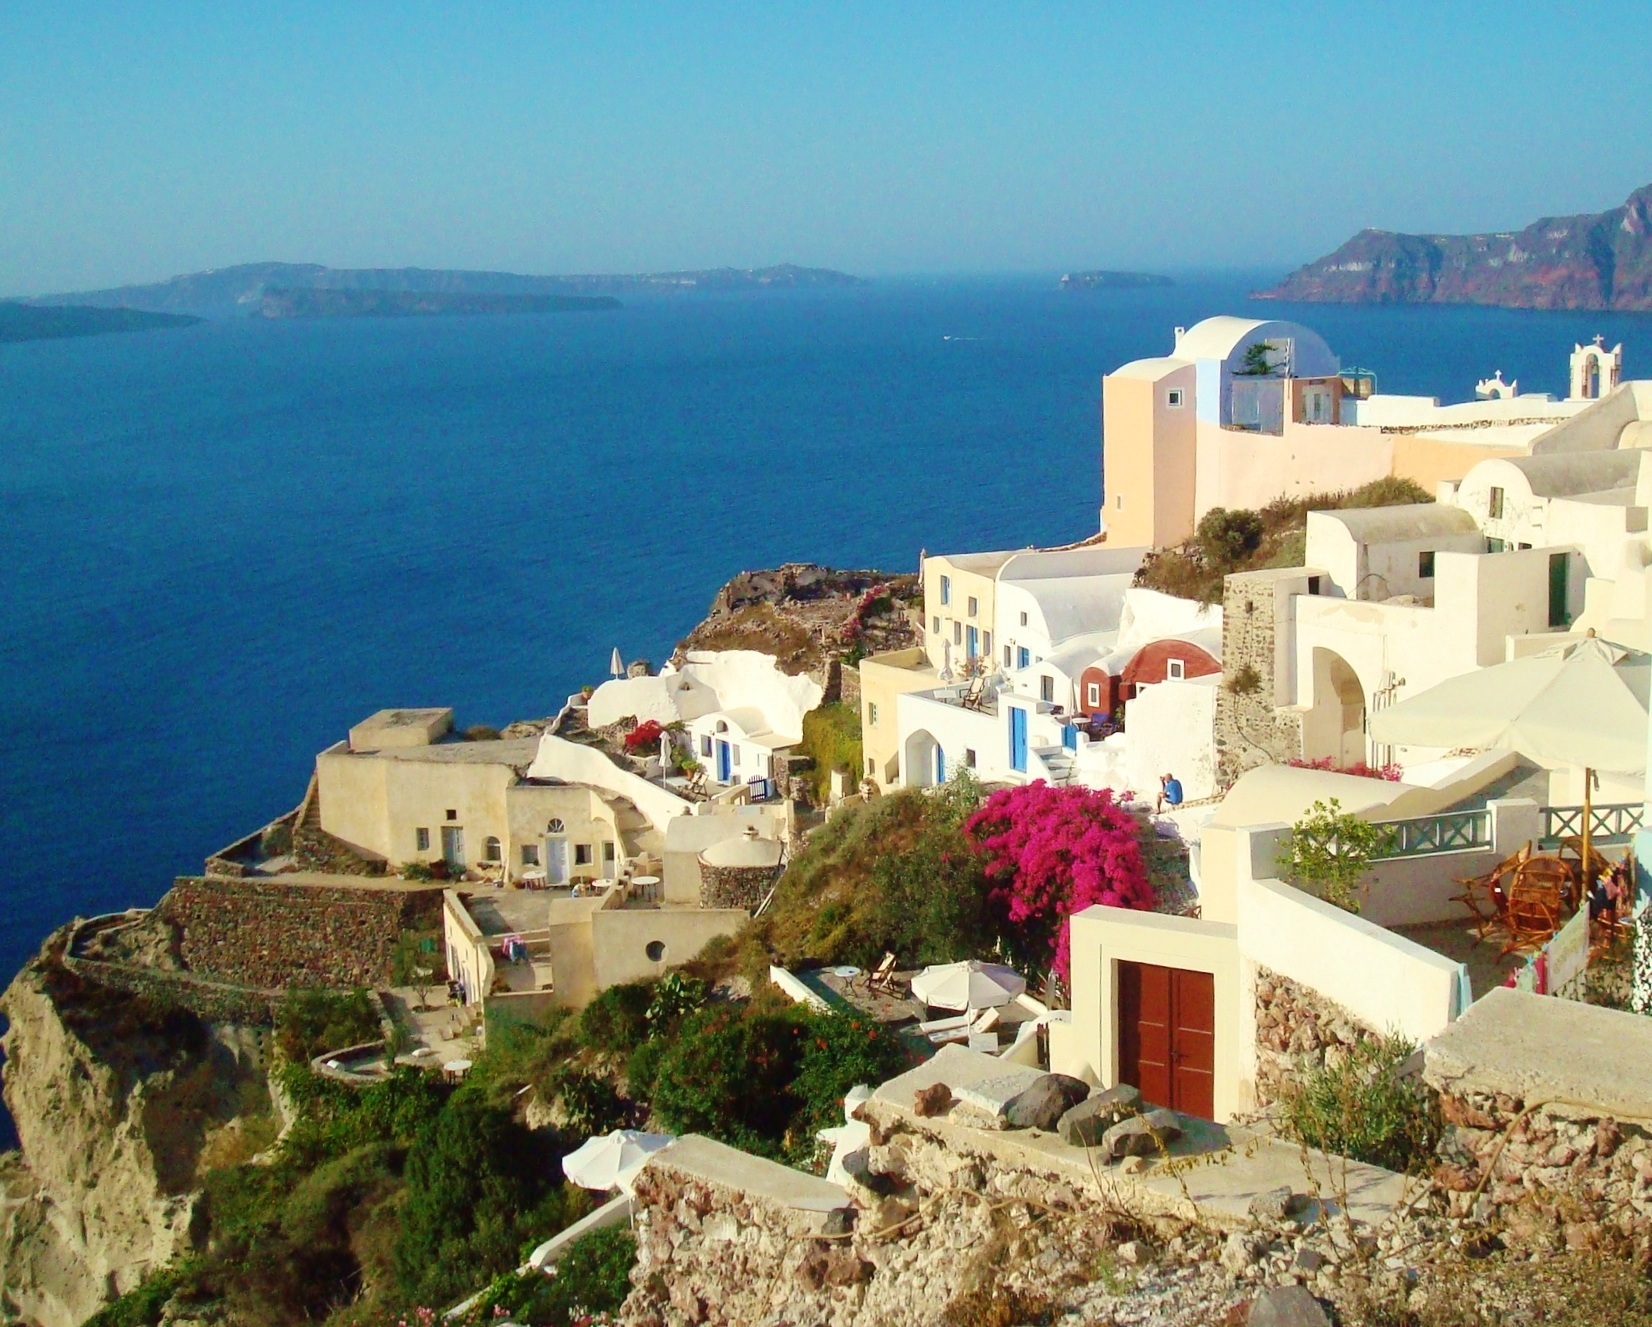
pixel 612 1160
pixel 616 665
pixel 665 754
pixel 968 985
pixel 1584 703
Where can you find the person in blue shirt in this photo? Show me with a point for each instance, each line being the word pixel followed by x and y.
pixel 1170 792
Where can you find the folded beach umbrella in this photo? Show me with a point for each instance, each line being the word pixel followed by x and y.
pixel 612 1160
pixel 616 665
pixel 968 985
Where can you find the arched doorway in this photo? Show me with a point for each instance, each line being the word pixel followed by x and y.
pixel 1337 726
pixel 924 761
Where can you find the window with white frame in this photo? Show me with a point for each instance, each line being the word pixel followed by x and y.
pixel 490 849
pixel 871 714
pixel 1092 695
pixel 946 589
pixel 705 745
pixel 582 854
pixel 974 605
pixel 421 840
pixel 935 624
pixel 1175 670
pixel 957 633
pixel 1046 689
pixel 530 854
pixel 1173 398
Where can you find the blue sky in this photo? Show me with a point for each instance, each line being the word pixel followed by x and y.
pixel 137 141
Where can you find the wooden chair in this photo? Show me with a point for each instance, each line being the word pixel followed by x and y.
pixel 975 695
pixel 1535 903
pixel 1597 864
pixel 882 977
pixel 1490 889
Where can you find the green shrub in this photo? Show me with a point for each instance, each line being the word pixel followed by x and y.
pixel 1366 1108
pixel 675 995
pixel 1226 538
pixel 312 1021
pixel 417 871
pixel 592 1277
pixel 590 1106
pixel 617 1020
pixel 643 1067
pixel 831 737
pixel 479 1185
pixel 145 1304
pixel 1329 851
pixel 728 1074
pixel 840 1049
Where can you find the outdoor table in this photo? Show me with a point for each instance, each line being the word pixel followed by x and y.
pixel 646 885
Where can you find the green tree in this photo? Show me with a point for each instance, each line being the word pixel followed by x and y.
pixel 1226 538
pixel 1330 851
pixel 1255 363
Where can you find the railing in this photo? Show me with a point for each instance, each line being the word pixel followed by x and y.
pixel 1423 836
pixel 1609 823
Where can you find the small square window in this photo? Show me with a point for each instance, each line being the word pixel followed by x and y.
pixel 871 714
pixel 1175 670
pixel 1313 588
pixel 1173 398
pixel 1425 564
pixel 530 854
pixel 974 605
pixel 1494 505
pixel 421 840
pixel 582 854
pixel 452 815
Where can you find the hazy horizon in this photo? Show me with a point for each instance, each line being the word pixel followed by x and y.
pixel 139 143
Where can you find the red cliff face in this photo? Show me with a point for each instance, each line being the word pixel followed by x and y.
pixel 1598 260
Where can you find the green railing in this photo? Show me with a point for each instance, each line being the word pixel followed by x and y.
pixel 1609 823
pixel 1423 836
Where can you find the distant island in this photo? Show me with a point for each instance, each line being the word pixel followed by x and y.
pixel 1596 260
pixel 1100 280
pixel 315 303
pixel 240 291
pixel 44 322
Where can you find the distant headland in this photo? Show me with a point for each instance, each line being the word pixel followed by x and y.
pixel 1101 280
pixel 241 291
pixel 1596 260
pixel 314 303
pixel 40 322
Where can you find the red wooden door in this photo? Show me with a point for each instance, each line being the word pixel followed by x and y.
pixel 1167 1036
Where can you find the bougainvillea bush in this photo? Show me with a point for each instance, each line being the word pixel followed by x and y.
pixel 1050 852
pixel 645 736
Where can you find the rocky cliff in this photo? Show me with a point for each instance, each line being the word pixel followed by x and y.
pixel 1600 260
pixel 120 1106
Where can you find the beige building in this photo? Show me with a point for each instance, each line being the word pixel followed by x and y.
pixel 1244 411
pixel 404 789
pixel 884 677
pixel 960 597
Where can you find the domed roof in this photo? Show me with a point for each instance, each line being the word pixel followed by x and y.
pixel 745 851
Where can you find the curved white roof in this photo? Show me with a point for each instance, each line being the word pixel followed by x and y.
pixel 1225 337
pixel 745 850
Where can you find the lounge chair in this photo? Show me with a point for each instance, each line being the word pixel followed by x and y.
pixel 1535 903
pixel 882 977
pixel 1490 890
pixel 975 694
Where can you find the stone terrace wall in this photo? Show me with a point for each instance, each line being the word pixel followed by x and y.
pixel 216 1002
pixel 1548 1112
pixel 734 886
pixel 266 934
pixel 1297 1028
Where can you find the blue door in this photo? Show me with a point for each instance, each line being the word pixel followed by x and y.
pixel 940 765
pixel 1023 657
pixel 974 642
pixel 725 765
pixel 1069 736
pixel 1018 739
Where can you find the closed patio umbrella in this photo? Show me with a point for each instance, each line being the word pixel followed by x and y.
pixel 616 665
pixel 612 1160
pixel 1584 703
pixel 968 985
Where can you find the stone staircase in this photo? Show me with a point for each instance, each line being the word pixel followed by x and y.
pixel 1059 761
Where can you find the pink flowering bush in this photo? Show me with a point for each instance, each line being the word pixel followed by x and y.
pixel 1050 852
pixel 1359 769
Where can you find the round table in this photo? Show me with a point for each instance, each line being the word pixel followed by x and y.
pixel 646 884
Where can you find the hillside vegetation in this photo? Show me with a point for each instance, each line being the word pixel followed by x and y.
pixel 1228 541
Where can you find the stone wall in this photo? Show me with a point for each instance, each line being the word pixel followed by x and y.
pixel 1547 1105
pixel 1250 731
pixel 735 886
pixel 266 935
pixel 1297 1028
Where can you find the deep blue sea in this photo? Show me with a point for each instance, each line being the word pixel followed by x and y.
pixel 221 546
